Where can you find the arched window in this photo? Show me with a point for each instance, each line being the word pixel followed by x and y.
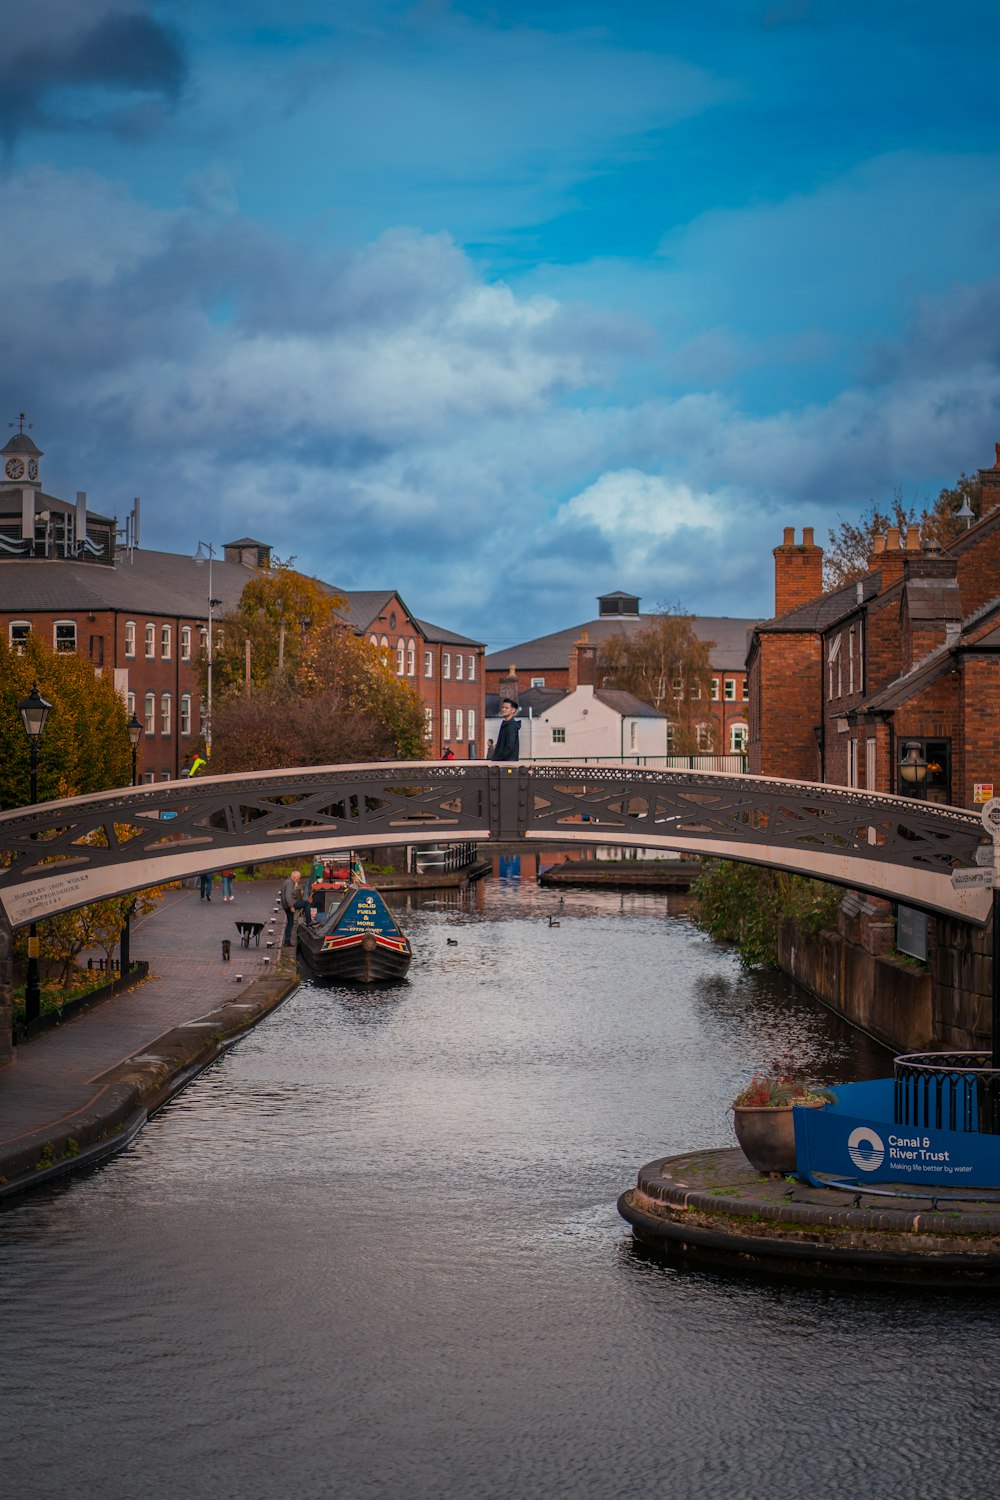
pixel 400 658
pixel 166 642
pixel 185 713
pixel 149 713
pixel 383 646
pixel 129 637
pixel 150 640
pixel 165 713
pixel 185 643
pixel 374 641
pixel 411 657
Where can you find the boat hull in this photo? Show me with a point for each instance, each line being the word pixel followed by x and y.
pixel 358 943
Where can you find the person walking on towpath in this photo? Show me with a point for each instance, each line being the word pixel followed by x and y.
pixel 292 900
pixel 508 745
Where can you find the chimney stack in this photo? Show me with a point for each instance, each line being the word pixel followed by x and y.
pixel 508 684
pixel 989 480
pixel 891 559
pixel 798 571
pixel 583 663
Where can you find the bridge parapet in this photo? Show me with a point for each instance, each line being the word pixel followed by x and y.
pixel 59 855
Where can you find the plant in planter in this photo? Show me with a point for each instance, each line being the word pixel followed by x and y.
pixel 762 1118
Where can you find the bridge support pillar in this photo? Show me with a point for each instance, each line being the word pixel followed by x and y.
pixel 6 991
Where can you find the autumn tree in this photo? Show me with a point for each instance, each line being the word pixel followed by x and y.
pixel 664 663
pixel 316 693
pixel 851 544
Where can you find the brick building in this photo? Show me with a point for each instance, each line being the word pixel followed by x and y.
pixel 842 683
pixel 82 581
pixel 552 662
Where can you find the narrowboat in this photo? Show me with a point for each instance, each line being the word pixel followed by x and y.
pixel 359 941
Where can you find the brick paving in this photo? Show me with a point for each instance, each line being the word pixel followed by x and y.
pixel 59 1073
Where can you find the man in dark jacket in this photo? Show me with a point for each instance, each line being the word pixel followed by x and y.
pixel 507 746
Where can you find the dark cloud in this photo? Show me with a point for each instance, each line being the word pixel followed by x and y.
pixel 123 53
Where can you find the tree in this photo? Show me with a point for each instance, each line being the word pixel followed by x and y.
pixel 664 663
pixel 86 746
pixel 849 554
pixel 317 693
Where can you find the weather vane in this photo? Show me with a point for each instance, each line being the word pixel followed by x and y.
pixel 20 423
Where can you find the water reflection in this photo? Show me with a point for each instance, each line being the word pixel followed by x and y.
pixel 374 1252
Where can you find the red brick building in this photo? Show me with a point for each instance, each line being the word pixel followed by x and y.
pixel 81 581
pixel 552 662
pixel 842 683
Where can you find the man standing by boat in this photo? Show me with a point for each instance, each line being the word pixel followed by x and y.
pixel 292 900
pixel 508 745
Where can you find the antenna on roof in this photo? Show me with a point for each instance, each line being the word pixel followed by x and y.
pixel 128 535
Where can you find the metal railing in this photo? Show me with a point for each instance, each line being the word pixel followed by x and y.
pixel 948 1091
pixel 443 859
pixel 735 765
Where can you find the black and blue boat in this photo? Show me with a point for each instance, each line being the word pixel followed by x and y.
pixel 359 941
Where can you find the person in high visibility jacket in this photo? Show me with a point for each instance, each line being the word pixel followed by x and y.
pixel 196 765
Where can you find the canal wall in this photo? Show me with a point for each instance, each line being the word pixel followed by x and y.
pixel 908 1006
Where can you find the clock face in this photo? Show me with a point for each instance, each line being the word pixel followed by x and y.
pixel 14 468
pixel 32 468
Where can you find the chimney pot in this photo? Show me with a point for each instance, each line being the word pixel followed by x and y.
pixel 807 536
pixel 789 537
pixel 892 539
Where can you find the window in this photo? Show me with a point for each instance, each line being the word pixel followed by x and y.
pixel 148 776
pixel 729 692
pixel 150 641
pixel 694 691
pixel 459 723
pixel 185 643
pixel 746 691
pixel 97 650
pixel 850 672
pixel 833 683
pixel 411 657
pixel 428 663
pixel 165 714
pixel 446 729
pixel 472 725
pixel 65 635
pixel 383 646
pixel 852 762
pixel 446 665
pixel 738 735
pixel 704 733
pixel 715 690
pixel 558 736
pixel 130 705
pixel 633 734
pixel 129 637
pixel 185 713
pixel 671 738
pixel 164 775
pixel 472 673
pixel 400 659
pixel 870 764
pixel 535 681
pixel 149 713
pixel 678 687
pixel 428 723
pixel 459 659
pixel 19 632
pixel 203 639
pixel 166 643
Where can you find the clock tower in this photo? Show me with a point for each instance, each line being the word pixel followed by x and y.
pixel 19 460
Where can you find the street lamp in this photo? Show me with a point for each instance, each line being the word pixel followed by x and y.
pixel 134 736
pixel 206 553
pixel 134 727
pixel 34 712
pixel 913 769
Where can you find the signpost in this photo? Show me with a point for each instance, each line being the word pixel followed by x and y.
pixel 991 822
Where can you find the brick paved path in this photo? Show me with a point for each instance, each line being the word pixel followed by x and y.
pixel 58 1073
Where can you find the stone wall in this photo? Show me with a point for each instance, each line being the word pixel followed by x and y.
pixel 946 1008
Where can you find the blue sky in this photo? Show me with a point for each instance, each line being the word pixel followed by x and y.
pixel 506 305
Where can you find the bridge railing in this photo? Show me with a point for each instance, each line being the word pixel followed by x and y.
pixel 948 1091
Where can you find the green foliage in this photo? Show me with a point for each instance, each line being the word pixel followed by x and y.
pixel 745 905
pixel 85 748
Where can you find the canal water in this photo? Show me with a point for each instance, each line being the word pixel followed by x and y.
pixel 374 1253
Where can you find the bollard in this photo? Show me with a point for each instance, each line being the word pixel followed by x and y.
pixel 226 944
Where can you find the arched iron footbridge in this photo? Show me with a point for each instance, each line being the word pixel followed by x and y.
pixel 59 855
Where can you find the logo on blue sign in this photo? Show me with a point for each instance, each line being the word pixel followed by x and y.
pixel 866 1149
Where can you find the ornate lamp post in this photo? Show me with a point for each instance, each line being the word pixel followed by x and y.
pixel 206 553
pixel 913 770
pixel 125 940
pixel 134 736
pixel 34 712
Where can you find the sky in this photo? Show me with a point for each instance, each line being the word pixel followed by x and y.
pixel 503 306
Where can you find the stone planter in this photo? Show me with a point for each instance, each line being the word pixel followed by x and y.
pixel 766 1137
